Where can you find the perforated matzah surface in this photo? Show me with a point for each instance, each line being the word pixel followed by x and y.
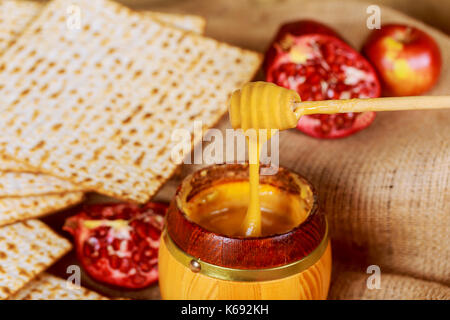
pixel 20 184
pixel 48 287
pixel 98 105
pixel 9 165
pixel 16 15
pixel 26 249
pixel 23 208
pixel 14 18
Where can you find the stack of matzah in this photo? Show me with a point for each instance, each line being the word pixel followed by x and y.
pixel 92 107
pixel 24 192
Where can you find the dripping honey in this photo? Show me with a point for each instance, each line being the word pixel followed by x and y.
pixel 260 105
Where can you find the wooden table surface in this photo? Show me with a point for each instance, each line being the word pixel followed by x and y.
pixel 375 186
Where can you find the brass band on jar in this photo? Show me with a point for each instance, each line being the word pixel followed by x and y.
pixel 229 274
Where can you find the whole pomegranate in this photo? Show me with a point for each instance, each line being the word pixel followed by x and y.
pixel 118 243
pixel 312 59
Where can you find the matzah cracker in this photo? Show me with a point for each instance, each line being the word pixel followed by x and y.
pixel 16 15
pixel 9 165
pixel 26 249
pixel 23 208
pixel 20 184
pixel 97 105
pixel 48 287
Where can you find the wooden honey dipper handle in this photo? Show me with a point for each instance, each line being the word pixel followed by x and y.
pixel 372 104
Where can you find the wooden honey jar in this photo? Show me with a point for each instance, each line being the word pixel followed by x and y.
pixel 285 262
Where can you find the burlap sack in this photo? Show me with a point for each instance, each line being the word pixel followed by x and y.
pixel 353 286
pixel 385 190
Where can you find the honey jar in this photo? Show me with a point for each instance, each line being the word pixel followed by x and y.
pixel 203 256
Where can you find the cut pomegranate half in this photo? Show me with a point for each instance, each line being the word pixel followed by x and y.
pixel 322 67
pixel 287 34
pixel 335 125
pixel 118 243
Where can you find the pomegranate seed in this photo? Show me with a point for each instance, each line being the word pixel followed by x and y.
pixel 325 128
pixel 134 223
pixel 144 266
pixel 125 265
pixel 339 121
pixel 318 96
pixel 154 234
pixel 137 278
pixel 101 232
pixel 142 245
pixel 114 261
pixel 116 244
pixel 105 272
pixel 141 230
pixel 89 251
pixel 136 257
pixel 290 69
pixel 134 238
pixel 148 253
pixel 314 79
pixel 103 252
pixel 127 213
pixel 130 245
pixel 340 60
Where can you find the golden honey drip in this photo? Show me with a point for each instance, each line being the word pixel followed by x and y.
pixel 260 105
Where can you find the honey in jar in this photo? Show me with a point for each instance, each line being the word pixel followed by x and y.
pixel 222 209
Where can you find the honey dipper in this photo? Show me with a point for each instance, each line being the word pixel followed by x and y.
pixel 262 105
pixel 372 104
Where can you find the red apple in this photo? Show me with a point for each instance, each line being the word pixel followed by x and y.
pixel 407 59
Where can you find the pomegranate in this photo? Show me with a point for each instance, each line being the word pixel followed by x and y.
pixel 118 243
pixel 288 31
pixel 310 58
